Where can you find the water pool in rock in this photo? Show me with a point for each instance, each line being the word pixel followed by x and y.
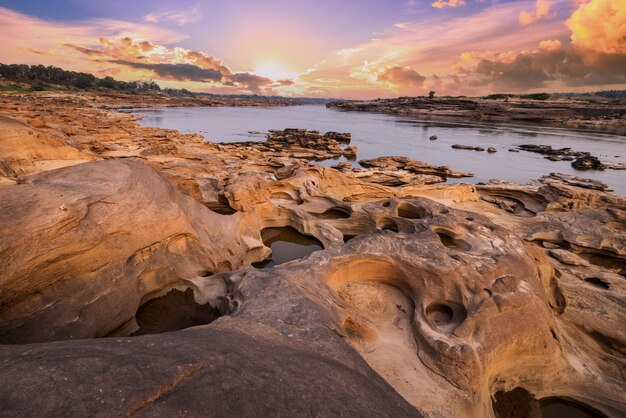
pixel 287 244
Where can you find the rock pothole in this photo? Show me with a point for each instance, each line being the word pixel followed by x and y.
pixel 449 240
pixel 445 315
pixel 286 244
pixel 519 403
pixel 173 311
pixel 334 213
pixel 410 211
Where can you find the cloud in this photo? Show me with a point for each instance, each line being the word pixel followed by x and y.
pixel 248 81
pixel 600 25
pixel 550 45
pixel 179 17
pixel 403 76
pixel 175 64
pixel 440 4
pixel 550 63
pixel 542 9
pixel 179 72
pixel 22 35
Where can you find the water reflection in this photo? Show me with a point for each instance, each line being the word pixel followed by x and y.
pixel 287 244
pixel 377 135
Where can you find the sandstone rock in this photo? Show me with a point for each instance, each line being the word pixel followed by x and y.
pixel 25 151
pixel 411 166
pixel 433 137
pixel 567 257
pixel 491 150
pixel 600 117
pixel 342 166
pixel 587 162
pixel 427 299
pixel 100 238
pixel 467 147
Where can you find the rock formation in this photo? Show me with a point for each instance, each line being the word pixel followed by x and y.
pixel 428 300
pixel 599 117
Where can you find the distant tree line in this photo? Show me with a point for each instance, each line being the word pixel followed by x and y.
pixel 40 77
pixel 532 96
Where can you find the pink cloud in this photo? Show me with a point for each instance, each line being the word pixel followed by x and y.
pixel 542 9
pixel 440 4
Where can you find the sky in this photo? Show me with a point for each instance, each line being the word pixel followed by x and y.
pixel 353 49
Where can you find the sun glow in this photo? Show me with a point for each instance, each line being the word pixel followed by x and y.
pixel 274 69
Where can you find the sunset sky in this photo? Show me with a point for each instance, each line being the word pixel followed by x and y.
pixel 328 48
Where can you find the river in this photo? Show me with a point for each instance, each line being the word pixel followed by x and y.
pixel 377 135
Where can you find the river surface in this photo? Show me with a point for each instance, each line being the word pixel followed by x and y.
pixel 378 135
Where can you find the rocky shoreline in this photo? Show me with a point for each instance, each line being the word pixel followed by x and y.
pixel 429 299
pixel 596 117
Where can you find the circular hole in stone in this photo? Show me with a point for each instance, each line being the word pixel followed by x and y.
pixel 448 240
pixel 287 244
pixel 173 311
pixel 409 211
pixel 389 225
pixel 439 314
pixel 446 315
pixel 519 403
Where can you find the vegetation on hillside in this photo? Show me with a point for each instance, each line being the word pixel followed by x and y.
pixel 42 78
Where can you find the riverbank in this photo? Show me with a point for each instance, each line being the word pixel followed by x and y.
pixel 129 250
pixel 604 117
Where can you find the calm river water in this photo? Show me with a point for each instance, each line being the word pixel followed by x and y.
pixel 377 135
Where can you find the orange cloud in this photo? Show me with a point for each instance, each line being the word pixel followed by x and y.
pixel 600 25
pixel 174 64
pixel 542 8
pixel 402 76
pixel 440 4
pixel 550 45
pixel 25 37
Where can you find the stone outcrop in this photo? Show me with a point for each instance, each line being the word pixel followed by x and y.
pixel 397 171
pixel 300 143
pixel 78 241
pixel 599 117
pixel 427 300
pixel 581 160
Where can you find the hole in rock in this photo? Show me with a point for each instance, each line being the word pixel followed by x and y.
pixel 347 238
pixel 439 314
pixel 386 204
pixel 446 315
pixel 597 282
pixel 519 403
pixel 448 240
pixel 286 196
pixel 222 209
pixel 389 225
pixel 409 211
pixel 287 244
pixel 444 211
pixel 173 311
pixel 333 213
